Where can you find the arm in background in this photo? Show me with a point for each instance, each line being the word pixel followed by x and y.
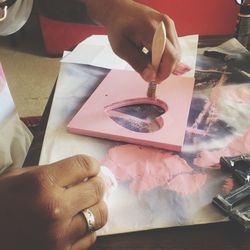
pixel 130 27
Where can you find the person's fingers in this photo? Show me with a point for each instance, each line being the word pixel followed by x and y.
pixel 171 31
pixel 171 54
pixel 132 53
pixel 142 63
pixel 72 170
pixel 168 62
pixel 85 194
pixel 78 226
pixel 85 243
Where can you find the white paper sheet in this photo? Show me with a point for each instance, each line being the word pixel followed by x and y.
pixel 75 84
pixel 96 51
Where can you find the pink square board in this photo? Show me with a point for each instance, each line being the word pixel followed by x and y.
pixel 121 88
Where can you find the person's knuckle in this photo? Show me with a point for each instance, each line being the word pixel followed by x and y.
pixel 51 205
pixel 54 210
pixel 46 199
pixel 84 162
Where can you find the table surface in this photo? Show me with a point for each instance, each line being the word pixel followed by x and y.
pixel 223 236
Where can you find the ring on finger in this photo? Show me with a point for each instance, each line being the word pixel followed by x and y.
pixel 145 51
pixel 90 219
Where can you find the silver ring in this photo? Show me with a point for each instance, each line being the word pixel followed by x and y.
pixel 145 50
pixel 90 219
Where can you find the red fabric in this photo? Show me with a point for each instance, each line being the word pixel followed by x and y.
pixel 201 17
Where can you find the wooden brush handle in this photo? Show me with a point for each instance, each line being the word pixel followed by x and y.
pixel 158 45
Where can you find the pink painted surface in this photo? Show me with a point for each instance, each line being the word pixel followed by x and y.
pixel 146 168
pixel 211 158
pixel 119 86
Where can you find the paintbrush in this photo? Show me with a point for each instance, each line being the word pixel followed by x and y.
pixel 158 46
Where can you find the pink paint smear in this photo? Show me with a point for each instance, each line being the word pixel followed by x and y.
pixel 211 159
pixel 148 168
pixel 181 69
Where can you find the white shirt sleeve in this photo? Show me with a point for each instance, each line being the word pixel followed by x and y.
pixel 17 16
pixel 15 138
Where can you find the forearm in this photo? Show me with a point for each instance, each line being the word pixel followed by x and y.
pixel 102 11
pixel 81 11
pixel 65 10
